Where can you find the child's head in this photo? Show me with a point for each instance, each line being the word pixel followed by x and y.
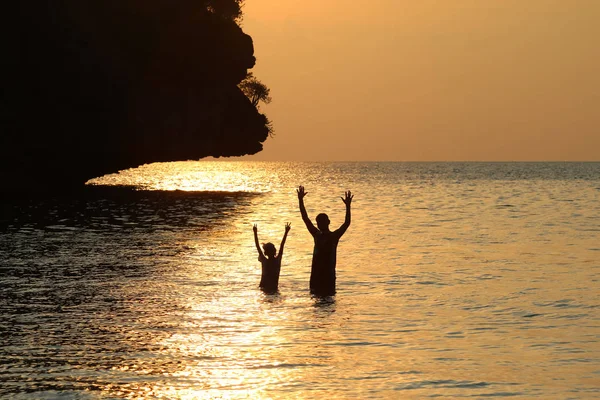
pixel 269 249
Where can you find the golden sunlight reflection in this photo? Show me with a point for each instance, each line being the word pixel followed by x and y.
pixel 228 340
pixel 233 341
pixel 234 360
pixel 432 277
pixel 205 176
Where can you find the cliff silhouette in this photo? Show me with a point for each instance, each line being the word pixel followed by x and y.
pixel 92 87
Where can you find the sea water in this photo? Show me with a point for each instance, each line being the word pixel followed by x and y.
pixel 455 280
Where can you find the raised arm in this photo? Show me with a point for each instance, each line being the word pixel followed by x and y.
pixel 347 199
pixel 288 226
pixel 260 253
pixel 309 225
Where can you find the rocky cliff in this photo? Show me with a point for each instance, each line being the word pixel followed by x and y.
pixel 91 87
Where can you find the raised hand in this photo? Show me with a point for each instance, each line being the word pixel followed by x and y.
pixel 309 225
pixel 301 192
pixel 260 252
pixel 347 199
pixel 288 226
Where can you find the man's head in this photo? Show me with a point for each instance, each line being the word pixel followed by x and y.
pixel 323 222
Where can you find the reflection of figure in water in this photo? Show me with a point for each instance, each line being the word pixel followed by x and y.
pixel 322 273
pixel 271 263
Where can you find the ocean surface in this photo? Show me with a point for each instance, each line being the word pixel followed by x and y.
pixel 455 280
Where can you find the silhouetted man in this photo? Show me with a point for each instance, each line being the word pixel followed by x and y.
pixel 322 273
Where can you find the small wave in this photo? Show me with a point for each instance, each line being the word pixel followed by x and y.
pixel 532 315
pixel 285 365
pixel 446 384
pixel 431 283
pixel 563 303
pixel 500 394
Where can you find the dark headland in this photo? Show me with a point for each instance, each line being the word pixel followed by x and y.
pixel 92 87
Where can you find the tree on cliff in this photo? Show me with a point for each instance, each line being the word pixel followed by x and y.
pixel 255 90
pixel 228 9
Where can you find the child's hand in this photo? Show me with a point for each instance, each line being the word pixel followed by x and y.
pixel 301 192
pixel 288 226
pixel 255 228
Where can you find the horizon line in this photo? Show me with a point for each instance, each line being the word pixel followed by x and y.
pixel 398 161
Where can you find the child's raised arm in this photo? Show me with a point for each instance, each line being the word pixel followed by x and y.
pixel 260 253
pixel 288 226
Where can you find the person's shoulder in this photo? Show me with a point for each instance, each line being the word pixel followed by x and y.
pixel 338 233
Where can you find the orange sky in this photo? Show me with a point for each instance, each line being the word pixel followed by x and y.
pixel 430 79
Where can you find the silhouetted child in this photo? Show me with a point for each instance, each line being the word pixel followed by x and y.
pixel 271 263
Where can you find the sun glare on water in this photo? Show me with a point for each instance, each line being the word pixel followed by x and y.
pixel 202 176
